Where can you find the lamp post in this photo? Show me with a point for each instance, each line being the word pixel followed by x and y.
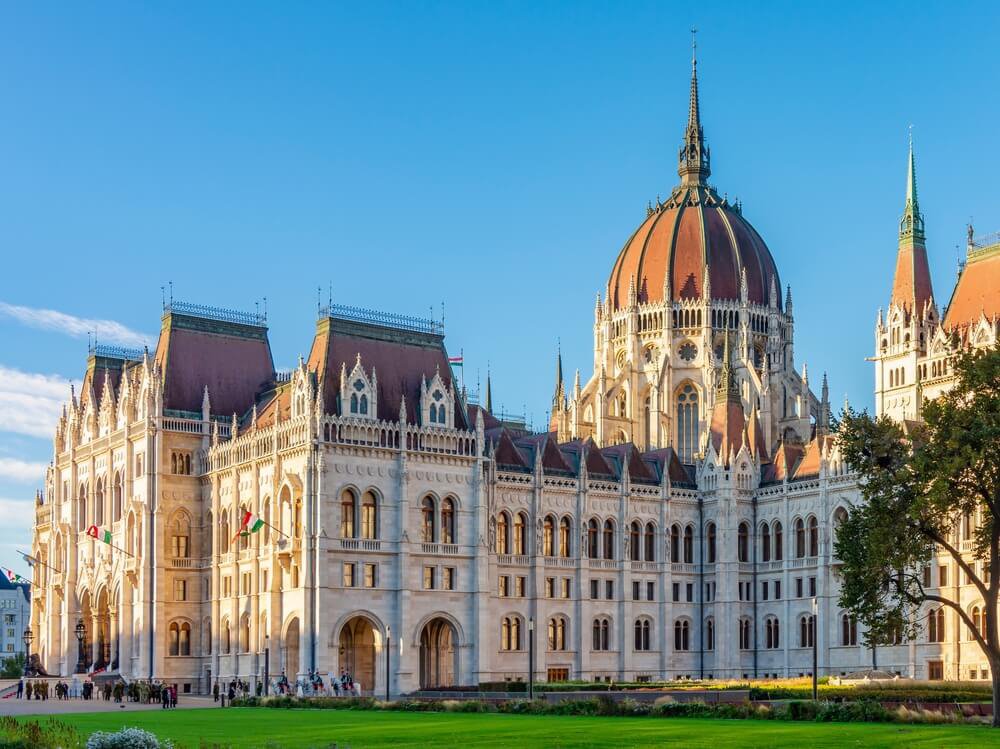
pixel 531 657
pixel 815 632
pixel 80 630
pixel 267 665
pixel 27 637
pixel 388 655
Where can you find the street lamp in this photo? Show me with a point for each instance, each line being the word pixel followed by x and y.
pixel 531 657
pixel 80 630
pixel 27 637
pixel 388 654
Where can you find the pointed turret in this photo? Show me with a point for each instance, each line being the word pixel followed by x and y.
pixel 559 392
pixel 489 393
pixel 911 286
pixel 694 156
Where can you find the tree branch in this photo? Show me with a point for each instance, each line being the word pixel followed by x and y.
pixel 970 572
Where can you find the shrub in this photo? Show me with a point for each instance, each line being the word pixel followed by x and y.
pixel 53 734
pixel 127 738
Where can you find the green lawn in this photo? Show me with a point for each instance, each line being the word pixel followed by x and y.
pixel 306 729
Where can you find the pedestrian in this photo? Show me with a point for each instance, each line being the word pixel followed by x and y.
pixel 165 698
pixel 215 691
pixel 20 688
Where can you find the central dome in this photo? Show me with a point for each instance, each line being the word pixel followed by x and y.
pixel 694 230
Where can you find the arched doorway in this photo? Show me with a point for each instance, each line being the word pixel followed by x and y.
pixel 292 649
pixel 357 651
pixel 103 634
pixel 438 654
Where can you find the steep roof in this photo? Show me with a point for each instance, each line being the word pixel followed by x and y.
pixel 232 359
pixel 977 292
pixel 401 359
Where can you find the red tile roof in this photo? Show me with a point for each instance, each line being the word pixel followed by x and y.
pixel 977 293
pixel 911 286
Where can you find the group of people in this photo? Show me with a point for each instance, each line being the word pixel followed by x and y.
pixel 37 689
pixel 311 686
pixel 235 688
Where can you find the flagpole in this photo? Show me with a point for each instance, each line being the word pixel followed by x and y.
pixel 37 561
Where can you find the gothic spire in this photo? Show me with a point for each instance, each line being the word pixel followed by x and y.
pixel 557 395
pixel 911 225
pixel 694 156
pixel 725 386
pixel 489 393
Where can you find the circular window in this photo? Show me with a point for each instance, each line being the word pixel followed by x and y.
pixel 688 351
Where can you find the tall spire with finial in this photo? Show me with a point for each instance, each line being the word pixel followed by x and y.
pixel 489 392
pixel 694 156
pixel 558 395
pixel 911 287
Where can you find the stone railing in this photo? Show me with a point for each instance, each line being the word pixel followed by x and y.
pixel 360 544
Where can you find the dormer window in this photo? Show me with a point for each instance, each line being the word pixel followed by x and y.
pixel 357 395
pixel 436 402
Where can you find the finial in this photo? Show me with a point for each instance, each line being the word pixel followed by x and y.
pixel 694 46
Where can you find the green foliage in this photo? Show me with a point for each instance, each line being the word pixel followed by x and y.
pixel 917 484
pixel 12 668
pixel 52 734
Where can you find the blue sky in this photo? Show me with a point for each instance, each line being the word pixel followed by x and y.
pixel 490 156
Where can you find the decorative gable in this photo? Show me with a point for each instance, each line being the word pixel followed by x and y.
pixel 358 392
pixel 437 402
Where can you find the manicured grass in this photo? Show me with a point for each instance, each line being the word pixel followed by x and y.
pixel 247 728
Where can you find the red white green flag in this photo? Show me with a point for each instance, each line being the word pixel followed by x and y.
pixel 251 524
pixel 100 535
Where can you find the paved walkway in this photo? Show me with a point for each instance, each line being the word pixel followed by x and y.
pixel 14 706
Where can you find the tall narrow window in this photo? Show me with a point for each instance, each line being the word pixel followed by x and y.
pixel 520 523
pixel 447 521
pixel 765 543
pixel 650 542
pixel 348 507
pixel 687 423
pixel 778 543
pixel 813 537
pixel 592 552
pixel 564 536
pixel 369 516
pixel 675 543
pixel 428 527
pixel 800 539
pixel 609 540
pixel 710 535
pixel 549 536
pixel 634 537
pixel 743 542
pixel 689 545
pixel 503 534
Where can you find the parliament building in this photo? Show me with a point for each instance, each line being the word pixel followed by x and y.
pixel 676 519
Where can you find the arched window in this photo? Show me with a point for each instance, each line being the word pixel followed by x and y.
pixel 503 534
pixel 675 543
pixel 689 545
pixel 710 537
pixel 602 634
pixel 369 516
pixel 772 638
pixel 687 423
pixel 800 539
pixel 520 538
pixel 557 633
pixel 765 543
pixel 81 509
pixel 117 498
pixel 363 407
pixel 744 632
pixel 743 542
pixel 226 640
pixel 979 622
pixel 564 536
pixel 682 635
pixel 778 543
pixel 634 536
pixel 709 634
pixel 807 631
pixel 447 521
pixel 848 630
pixel 592 552
pixel 180 536
pixel 510 633
pixel 549 536
pixel 224 538
pixel 173 647
pixel 935 626
pixel 650 542
pixel 99 503
pixel 641 631
pixel 185 639
pixel 609 540
pixel 245 633
pixel 813 537
pixel 428 530
pixel 354 403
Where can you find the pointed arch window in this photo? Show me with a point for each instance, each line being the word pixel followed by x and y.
pixel 650 542
pixel 675 543
pixel 564 536
pixel 710 534
pixel 687 423
pixel 592 551
pixel 609 539
pixel 447 521
pixel 813 537
pixel 548 536
pixel 848 630
pixel 743 542
pixel 520 537
pixel 682 635
pixel 428 533
pixel 117 498
pixel 710 635
pixel 503 534
pixel 369 516
pixel 634 537
pixel 800 539
pixel 641 631
pixel 778 543
pixel 765 543
pixel 689 545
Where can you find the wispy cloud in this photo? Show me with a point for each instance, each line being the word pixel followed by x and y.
pixel 31 403
pixel 21 470
pixel 108 331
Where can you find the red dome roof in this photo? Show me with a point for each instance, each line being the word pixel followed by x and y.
pixel 695 228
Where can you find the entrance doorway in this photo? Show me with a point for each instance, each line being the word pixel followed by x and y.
pixel 357 651
pixel 438 654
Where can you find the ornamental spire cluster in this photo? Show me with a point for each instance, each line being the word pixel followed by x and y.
pixel 694 159
pixel 911 225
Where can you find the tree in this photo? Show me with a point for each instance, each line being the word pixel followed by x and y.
pixel 918 482
pixel 13 667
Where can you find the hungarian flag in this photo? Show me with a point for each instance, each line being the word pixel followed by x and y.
pixel 104 535
pixel 456 361
pixel 16 578
pixel 251 524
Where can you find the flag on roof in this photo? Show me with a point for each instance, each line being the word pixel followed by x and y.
pixel 456 361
